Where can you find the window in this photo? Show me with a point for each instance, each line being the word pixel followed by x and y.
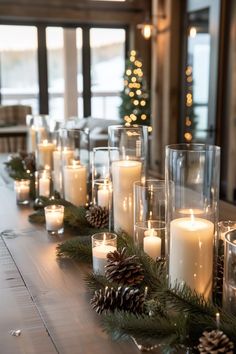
pixel 18 63
pixel 55 44
pixel 65 52
pixel 79 44
pixel 107 69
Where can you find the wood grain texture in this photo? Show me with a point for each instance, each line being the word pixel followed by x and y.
pixel 56 288
pixel 18 311
pixel 37 280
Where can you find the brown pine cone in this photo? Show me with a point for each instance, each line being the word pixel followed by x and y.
pixel 215 342
pixel 122 269
pixel 123 299
pixel 29 162
pixel 98 216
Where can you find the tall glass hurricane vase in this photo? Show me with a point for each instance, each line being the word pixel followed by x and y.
pixel 192 186
pixel 127 165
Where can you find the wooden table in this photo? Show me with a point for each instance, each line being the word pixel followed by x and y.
pixel 45 298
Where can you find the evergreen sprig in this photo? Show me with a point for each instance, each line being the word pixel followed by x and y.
pixel 174 317
pixel 78 248
pixel 73 216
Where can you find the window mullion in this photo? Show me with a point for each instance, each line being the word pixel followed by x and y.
pixel 86 58
pixel 42 70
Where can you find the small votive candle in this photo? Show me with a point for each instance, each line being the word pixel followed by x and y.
pixel 22 189
pixel 54 215
pixel 102 244
pixel 152 243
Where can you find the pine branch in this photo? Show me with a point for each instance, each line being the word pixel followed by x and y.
pixel 73 216
pixel 183 298
pixel 77 248
pixel 97 281
pixel 121 325
pixel 37 218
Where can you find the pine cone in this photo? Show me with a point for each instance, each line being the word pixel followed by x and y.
pixel 29 162
pixel 97 216
pixel 215 342
pixel 122 269
pixel 124 298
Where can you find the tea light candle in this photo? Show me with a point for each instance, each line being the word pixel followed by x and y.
pixel 102 245
pixel 124 174
pixel 103 195
pixel 54 215
pixel 45 150
pixel 44 184
pixel 75 184
pixel 191 253
pixel 22 189
pixel 152 243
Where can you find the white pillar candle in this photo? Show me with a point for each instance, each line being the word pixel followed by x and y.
pixel 103 196
pixel 44 185
pixel 75 184
pixel 191 253
pixel 152 243
pixel 54 215
pixel 124 174
pixel 60 158
pixel 22 189
pixel 100 257
pixel 45 150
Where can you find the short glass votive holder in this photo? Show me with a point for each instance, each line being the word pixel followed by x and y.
pixel 22 190
pixel 102 244
pixel 54 215
pixel 229 286
pixel 225 226
pixel 149 217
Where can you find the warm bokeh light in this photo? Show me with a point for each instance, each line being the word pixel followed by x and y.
pixel 146 30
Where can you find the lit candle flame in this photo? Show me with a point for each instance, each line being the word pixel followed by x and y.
pixel 217 320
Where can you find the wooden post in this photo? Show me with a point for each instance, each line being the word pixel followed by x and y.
pixel 70 73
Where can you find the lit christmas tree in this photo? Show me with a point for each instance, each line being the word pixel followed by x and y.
pixel 135 106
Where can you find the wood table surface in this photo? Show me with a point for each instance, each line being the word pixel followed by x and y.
pixel 44 298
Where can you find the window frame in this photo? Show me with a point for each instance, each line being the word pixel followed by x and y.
pixel 86 58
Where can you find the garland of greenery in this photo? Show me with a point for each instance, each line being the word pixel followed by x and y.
pixel 22 166
pixel 74 217
pixel 174 316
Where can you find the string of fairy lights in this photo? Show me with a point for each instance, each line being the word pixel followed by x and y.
pixel 133 83
pixel 189 103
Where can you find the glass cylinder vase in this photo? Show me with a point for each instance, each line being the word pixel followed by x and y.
pixel 192 186
pixel 127 165
pixel 229 284
pixel 45 145
pixel 75 165
pixel 149 217
pixel 101 183
pixel 36 123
